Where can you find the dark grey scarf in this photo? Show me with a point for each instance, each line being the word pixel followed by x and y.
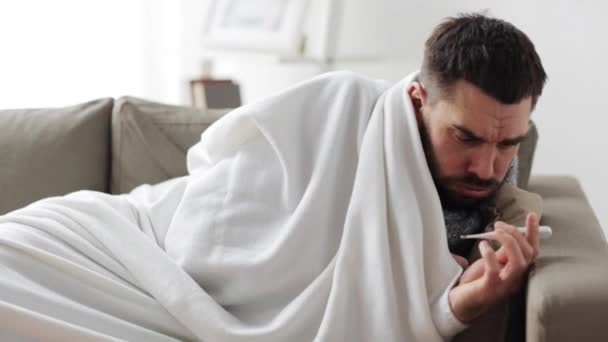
pixel 460 222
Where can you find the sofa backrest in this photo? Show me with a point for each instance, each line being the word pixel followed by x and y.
pixel 53 151
pixel 150 140
pixel 102 145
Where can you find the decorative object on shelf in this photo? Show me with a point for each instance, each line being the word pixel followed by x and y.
pixel 256 25
pixel 209 93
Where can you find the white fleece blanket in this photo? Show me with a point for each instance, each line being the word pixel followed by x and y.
pixel 310 215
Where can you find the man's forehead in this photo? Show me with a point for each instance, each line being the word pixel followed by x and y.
pixel 480 120
pixel 469 107
pixel 488 129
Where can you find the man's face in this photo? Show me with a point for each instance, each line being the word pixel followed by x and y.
pixel 470 139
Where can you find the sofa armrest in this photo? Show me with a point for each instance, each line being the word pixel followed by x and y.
pixel 567 293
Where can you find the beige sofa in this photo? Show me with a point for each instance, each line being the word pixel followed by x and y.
pixel 114 145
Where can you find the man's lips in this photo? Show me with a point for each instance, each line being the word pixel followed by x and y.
pixel 474 191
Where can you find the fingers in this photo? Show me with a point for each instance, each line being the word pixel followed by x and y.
pixel 517 263
pixel 502 272
pixel 473 272
pixel 492 268
pixel 523 244
pixel 499 280
pixel 532 232
pixel 468 300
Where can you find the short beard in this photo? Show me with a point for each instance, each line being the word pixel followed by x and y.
pixel 450 199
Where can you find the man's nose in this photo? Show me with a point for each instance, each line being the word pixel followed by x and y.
pixel 482 162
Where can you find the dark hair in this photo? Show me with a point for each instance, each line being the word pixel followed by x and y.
pixel 490 53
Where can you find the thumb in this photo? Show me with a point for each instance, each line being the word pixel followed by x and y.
pixel 463 262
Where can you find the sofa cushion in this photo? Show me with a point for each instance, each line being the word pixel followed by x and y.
pixel 53 151
pixel 150 140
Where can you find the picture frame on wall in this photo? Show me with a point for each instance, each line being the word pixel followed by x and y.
pixel 256 25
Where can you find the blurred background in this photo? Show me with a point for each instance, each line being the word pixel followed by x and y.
pixel 61 52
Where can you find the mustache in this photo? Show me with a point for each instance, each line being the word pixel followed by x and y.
pixel 473 180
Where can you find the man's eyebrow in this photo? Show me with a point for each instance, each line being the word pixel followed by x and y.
pixel 509 141
pixel 514 141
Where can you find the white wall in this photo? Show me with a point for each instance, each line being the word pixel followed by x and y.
pixel 569 36
pixel 56 53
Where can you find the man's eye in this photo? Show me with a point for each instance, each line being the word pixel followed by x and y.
pixel 507 145
pixel 468 140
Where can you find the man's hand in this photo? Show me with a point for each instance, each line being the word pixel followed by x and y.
pixel 496 275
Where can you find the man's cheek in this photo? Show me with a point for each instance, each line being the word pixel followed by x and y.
pixel 452 166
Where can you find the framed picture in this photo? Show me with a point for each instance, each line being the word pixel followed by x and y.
pixel 258 25
pixel 208 93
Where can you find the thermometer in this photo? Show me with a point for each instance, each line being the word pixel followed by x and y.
pixel 544 232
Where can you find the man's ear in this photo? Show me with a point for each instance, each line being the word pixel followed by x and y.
pixel 419 97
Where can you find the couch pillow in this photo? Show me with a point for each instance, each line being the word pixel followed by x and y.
pixel 525 156
pixel 53 151
pixel 150 140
